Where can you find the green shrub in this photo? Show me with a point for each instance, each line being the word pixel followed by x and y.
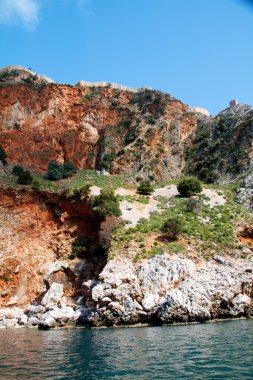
pixel 17 169
pixel 145 188
pixel 36 185
pixel 58 212
pixel 106 204
pixel 3 155
pixel 189 186
pixel 25 178
pixel 207 176
pixel 69 168
pixel 172 227
pixel 194 205
pixel 130 136
pixel 106 161
pixel 80 194
pixel 81 246
pixel 55 171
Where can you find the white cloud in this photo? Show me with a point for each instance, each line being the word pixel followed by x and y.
pixel 25 12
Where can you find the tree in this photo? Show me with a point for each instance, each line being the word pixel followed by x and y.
pixel 172 227
pixel 17 169
pixel 106 204
pixel 145 188
pixel 3 155
pixel 189 186
pixel 55 171
pixel 69 168
pixel 25 178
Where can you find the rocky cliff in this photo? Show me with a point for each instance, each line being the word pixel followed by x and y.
pixel 221 146
pixel 95 127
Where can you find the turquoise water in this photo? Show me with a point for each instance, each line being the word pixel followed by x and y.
pixel 222 350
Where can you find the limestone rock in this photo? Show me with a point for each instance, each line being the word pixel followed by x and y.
pixel 53 295
pixel 168 290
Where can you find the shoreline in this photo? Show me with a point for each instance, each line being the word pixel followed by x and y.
pixel 127 326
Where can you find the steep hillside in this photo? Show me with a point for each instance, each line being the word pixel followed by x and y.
pixel 96 127
pixel 222 146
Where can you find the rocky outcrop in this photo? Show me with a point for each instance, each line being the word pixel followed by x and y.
pixel 166 290
pixel 245 192
pixel 221 147
pixel 159 290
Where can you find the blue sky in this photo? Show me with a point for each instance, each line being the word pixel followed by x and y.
pixel 200 51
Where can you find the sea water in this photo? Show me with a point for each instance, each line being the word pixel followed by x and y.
pixel 221 350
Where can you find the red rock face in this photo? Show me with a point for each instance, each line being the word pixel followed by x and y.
pixel 39 125
pixel 64 123
pixel 33 237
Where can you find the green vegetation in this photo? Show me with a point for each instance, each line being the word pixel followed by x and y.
pixel 106 204
pixel 145 188
pixel 172 228
pixel 3 155
pixel 194 205
pixel 80 194
pixel 35 185
pixel 69 168
pixel 211 151
pixel 17 170
pixel 205 230
pixel 97 179
pixel 12 77
pixel 151 101
pixel 25 178
pixel 81 246
pixel 57 171
pixel 58 212
pixel 188 186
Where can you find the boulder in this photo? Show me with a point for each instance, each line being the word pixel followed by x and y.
pixel 53 295
pixel 33 321
pixel 240 304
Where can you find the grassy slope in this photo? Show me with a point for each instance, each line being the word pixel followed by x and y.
pixel 207 232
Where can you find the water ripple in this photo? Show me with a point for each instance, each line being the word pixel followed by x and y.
pixel 209 351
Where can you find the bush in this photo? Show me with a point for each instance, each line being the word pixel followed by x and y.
pixel 36 185
pixel 172 227
pixel 55 171
pixel 69 168
pixel 106 204
pixel 17 169
pixel 25 178
pixel 58 212
pixel 145 188
pixel 81 246
pixel 189 186
pixel 194 205
pixel 80 194
pixel 3 155
pixel 207 176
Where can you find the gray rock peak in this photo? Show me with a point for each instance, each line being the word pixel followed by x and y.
pixel 233 103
